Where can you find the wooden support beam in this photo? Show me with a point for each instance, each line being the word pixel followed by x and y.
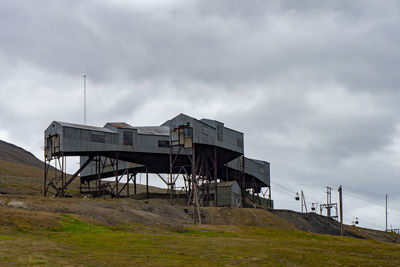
pixel 70 180
pixel 134 184
pixel 147 183
pixel 215 176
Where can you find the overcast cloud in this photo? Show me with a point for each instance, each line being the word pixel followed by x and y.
pixel 312 84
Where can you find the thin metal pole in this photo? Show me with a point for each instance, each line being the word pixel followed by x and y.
pixel 269 192
pixel 243 184
pixel 170 174
pixel 117 177
pixel 84 99
pixel 45 177
pixel 215 176
pixel 302 202
pixel 134 184
pixel 386 213
pixel 62 175
pixel 128 178
pixel 147 183
pixel 194 184
pixel 341 209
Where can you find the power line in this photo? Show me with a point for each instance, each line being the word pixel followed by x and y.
pixel 287 190
pixel 362 198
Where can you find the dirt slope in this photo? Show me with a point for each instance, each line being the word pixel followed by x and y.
pixel 21 174
pixel 312 222
pixel 13 153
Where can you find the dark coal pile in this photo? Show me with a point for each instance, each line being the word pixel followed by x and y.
pixel 312 222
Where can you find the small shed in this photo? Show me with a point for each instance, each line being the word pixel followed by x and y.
pixel 229 194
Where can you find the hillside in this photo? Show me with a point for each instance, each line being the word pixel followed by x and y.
pixel 13 153
pixel 125 232
pixel 239 236
pixel 21 173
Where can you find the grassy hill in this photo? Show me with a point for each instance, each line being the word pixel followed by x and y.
pixel 19 179
pixel 29 238
pixel 139 231
pixel 21 173
pixel 13 153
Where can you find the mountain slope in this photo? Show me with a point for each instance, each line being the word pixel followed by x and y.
pixel 21 173
pixel 13 153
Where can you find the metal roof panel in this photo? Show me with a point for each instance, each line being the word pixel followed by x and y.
pixel 86 127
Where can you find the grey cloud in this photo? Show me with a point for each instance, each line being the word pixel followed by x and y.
pixel 206 42
pixel 313 85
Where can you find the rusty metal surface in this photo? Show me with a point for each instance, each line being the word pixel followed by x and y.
pixel 80 126
pixel 209 132
pixel 153 130
pixel 121 125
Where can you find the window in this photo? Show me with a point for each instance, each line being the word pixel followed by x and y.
pixel 128 138
pixel 163 143
pixel 212 198
pixel 239 142
pixel 98 138
pixel 205 130
pixel 188 132
pixel 49 143
pixel 220 133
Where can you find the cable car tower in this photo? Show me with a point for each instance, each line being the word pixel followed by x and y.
pixel 303 201
pixel 329 205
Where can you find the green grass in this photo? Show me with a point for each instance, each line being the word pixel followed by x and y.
pixel 70 224
pixel 75 242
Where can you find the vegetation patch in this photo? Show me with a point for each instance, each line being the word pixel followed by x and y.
pixel 205 233
pixel 5 237
pixel 78 241
pixel 70 224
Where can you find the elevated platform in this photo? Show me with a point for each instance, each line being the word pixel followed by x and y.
pixel 199 151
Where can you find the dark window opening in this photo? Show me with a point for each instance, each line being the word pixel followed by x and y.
pixel 49 141
pixel 211 197
pixel 98 138
pixel 188 132
pixel 163 143
pixel 128 138
pixel 220 133
pixel 239 142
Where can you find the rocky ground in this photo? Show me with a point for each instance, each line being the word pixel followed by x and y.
pixel 159 211
pixel 21 176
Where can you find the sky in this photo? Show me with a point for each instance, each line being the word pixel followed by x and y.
pixel 312 84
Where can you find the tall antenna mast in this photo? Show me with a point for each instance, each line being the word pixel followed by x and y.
pixel 84 99
pixel 386 213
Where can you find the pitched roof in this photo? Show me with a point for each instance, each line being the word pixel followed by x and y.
pixel 120 125
pixel 86 127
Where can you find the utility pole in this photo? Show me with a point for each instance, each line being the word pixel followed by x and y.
pixel 84 99
pixel 303 202
pixel 341 209
pixel 328 200
pixel 386 213
pixel 329 205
